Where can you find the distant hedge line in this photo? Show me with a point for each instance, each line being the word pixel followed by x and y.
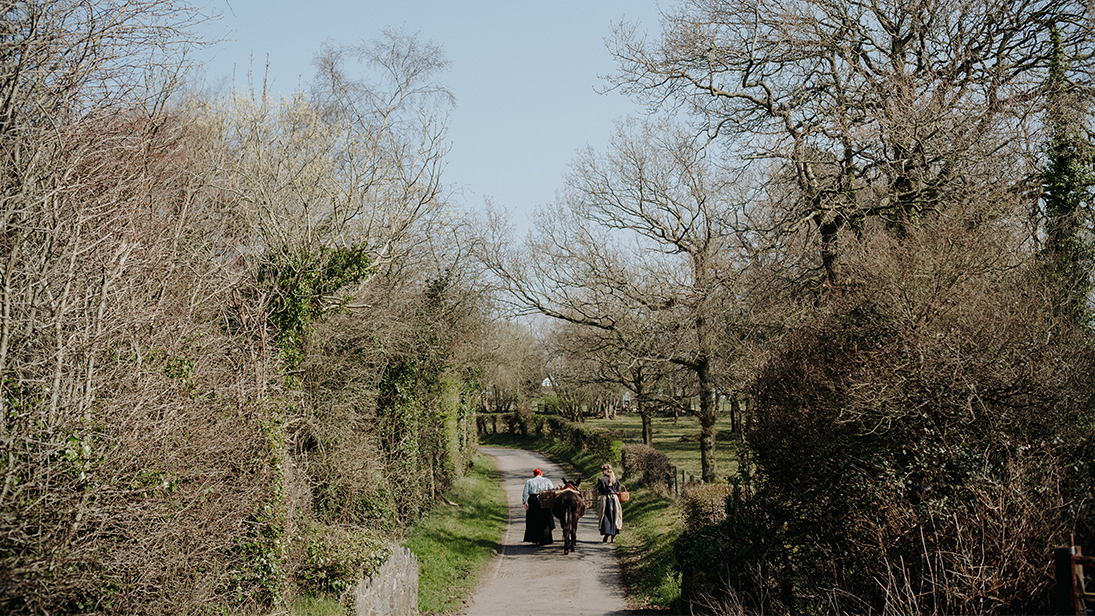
pixel 597 441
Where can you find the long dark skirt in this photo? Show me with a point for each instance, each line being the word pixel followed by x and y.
pixel 611 518
pixel 538 523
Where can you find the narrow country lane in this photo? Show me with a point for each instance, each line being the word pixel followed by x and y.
pixel 525 580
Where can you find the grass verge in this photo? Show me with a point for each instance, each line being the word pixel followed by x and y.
pixel 308 605
pixel 645 547
pixel 457 539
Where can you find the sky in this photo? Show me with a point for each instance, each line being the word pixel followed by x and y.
pixel 525 75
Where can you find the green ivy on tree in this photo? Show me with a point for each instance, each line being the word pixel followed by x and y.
pixel 1067 184
pixel 305 285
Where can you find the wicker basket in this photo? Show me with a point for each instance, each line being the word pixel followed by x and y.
pixel 589 497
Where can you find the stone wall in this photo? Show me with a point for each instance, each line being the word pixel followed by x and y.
pixel 394 589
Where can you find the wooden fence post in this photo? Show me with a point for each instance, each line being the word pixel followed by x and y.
pixel 1070 595
pixel 1064 590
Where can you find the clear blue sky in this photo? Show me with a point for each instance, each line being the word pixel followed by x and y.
pixel 524 74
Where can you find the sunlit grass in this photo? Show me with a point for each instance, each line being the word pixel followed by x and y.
pixel 679 440
pixel 308 605
pixel 645 547
pixel 458 538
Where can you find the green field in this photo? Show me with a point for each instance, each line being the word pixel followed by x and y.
pixel 680 440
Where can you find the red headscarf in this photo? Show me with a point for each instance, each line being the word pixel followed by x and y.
pixel 536 472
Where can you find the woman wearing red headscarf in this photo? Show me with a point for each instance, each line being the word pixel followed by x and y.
pixel 538 522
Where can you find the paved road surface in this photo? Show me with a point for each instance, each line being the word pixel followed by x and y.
pixel 525 580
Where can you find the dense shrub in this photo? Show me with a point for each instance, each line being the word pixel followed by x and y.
pixel 920 442
pixel 703 504
pixel 334 558
pixel 733 557
pixel 177 395
pixel 385 424
pixel 142 460
pixel 647 465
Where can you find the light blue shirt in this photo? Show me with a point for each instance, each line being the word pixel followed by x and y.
pixel 534 485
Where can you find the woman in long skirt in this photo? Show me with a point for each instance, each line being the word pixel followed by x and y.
pixel 612 519
pixel 538 523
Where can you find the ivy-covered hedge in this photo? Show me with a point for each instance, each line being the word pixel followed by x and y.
pixel 335 558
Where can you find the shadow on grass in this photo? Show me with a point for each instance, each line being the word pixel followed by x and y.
pixel 646 554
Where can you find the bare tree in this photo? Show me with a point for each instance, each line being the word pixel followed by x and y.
pixel 61 62
pixel 637 238
pixel 352 165
pixel 515 367
pixel 575 370
pixel 871 109
pixel 626 357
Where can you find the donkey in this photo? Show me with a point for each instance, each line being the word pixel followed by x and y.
pixel 568 507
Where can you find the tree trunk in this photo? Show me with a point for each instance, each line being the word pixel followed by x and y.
pixel 708 416
pixel 709 411
pixel 648 424
pixel 735 413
